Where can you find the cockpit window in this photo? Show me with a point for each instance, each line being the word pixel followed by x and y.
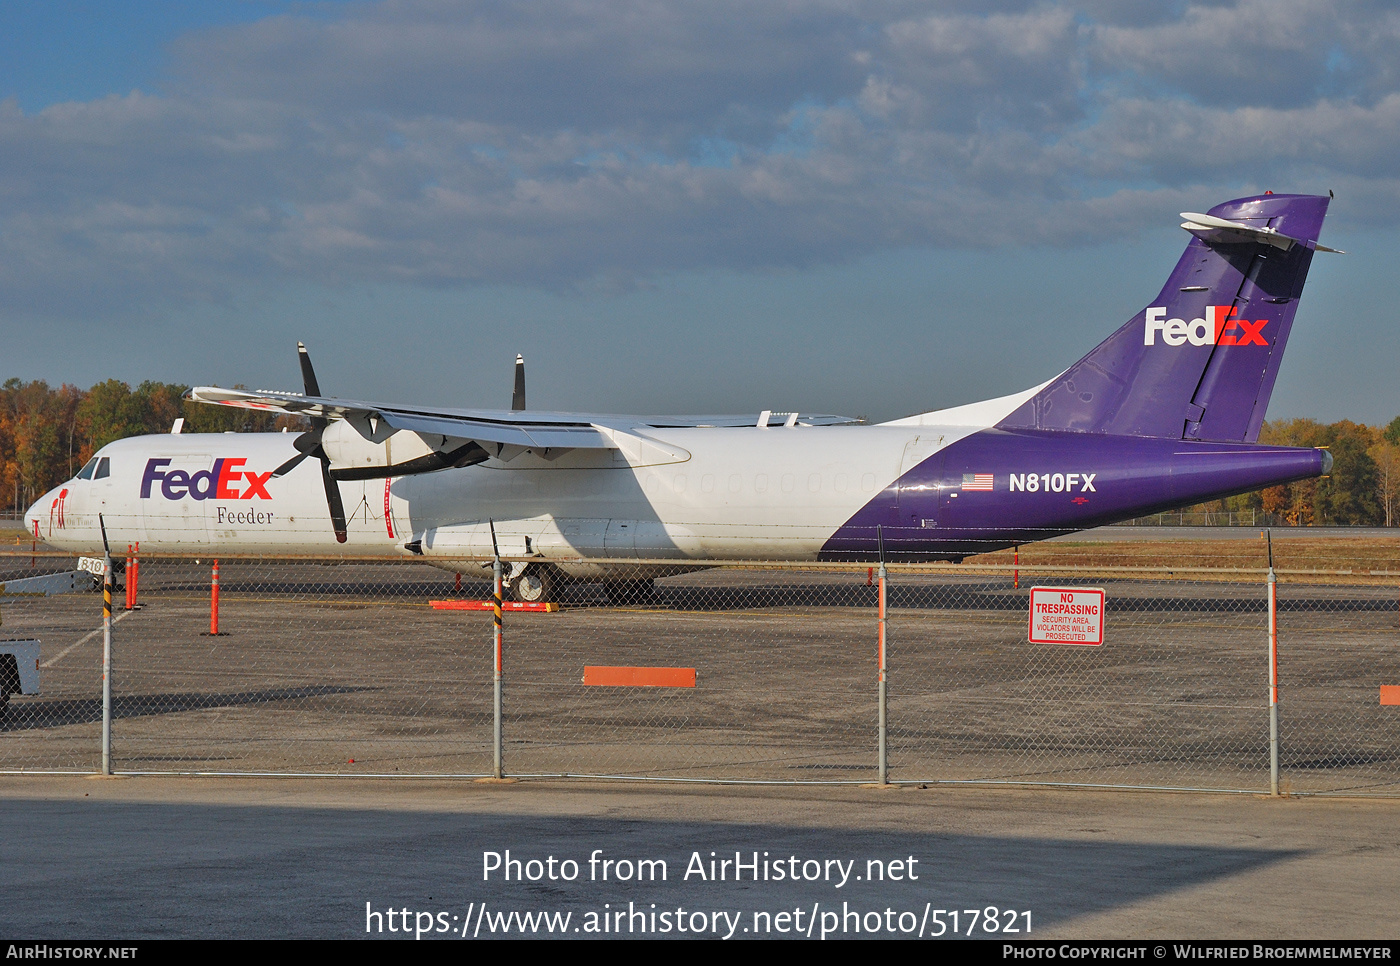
pixel 104 469
pixel 86 472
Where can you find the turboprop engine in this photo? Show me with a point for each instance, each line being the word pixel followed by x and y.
pixel 375 451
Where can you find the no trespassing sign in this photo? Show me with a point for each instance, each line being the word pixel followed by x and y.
pixel 1066 615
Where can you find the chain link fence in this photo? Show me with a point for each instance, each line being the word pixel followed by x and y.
pixel 345 667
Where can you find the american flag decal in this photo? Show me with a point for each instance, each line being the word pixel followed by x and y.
pixel 977 481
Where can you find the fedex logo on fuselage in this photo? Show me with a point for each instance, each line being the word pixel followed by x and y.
pixel 1217 328
pixel 215 483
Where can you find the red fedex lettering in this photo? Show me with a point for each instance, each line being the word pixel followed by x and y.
pixel 1222 324
pixel 226 477
pixel 257 483
pixel 1252 333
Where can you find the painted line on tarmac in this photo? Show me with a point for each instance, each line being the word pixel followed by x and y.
pixel 83 640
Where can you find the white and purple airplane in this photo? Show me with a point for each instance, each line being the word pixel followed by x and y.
pixel 1166 412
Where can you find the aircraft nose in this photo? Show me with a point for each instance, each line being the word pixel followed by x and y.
pixel 34 516
pixel 1326 462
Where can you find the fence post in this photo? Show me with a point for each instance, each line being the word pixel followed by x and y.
pixel 214 601
pixel 884 757
pixel 1273 679
pixel 106 662
pixel 496 573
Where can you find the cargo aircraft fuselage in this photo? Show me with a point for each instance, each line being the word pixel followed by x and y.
pixel 1166 412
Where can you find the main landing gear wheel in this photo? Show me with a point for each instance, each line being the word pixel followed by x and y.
pixel 534 585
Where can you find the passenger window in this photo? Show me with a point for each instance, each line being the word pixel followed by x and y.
pixel 104 469
pixel 86 472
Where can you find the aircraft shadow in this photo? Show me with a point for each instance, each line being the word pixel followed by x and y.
pixel 363 589
pixel 962 597
pixel 310 871
pixel 26 715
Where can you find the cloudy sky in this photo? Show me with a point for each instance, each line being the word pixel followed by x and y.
pixel 865 208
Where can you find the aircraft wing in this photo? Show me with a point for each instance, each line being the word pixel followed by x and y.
pixel 532 429
pixel 355 439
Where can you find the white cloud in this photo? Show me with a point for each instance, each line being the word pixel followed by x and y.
pixel 554 143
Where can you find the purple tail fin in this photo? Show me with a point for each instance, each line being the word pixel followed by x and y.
pixel 1200 361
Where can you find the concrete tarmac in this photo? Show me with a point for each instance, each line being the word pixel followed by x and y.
pixel 135 858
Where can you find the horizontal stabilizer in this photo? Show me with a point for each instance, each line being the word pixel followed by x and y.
pixel 1223 231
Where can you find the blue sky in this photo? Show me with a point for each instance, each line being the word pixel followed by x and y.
pixel 81 50
pixel 849 207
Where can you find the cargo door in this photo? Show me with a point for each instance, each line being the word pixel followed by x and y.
pixel 919 497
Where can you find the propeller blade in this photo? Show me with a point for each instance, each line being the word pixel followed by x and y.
pixel 333 501
pixel 517 399
pixel 308 375
pixel 288 466
pixel 309 444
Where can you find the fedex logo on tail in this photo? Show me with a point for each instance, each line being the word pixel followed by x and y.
pixel 216 483
pixel 1219 327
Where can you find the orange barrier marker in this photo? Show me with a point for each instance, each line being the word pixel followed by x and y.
pixel 214 603
pixel 640 677
pixel 491 605
pixel 134 574
pixel 1390 694
pixel 130 569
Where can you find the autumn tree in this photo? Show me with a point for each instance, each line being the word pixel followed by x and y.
pixel 108 412
pixel 40 427
pixel 1348 495
pixel 1385 453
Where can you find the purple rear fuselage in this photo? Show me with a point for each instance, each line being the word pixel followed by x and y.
pixel 942 510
